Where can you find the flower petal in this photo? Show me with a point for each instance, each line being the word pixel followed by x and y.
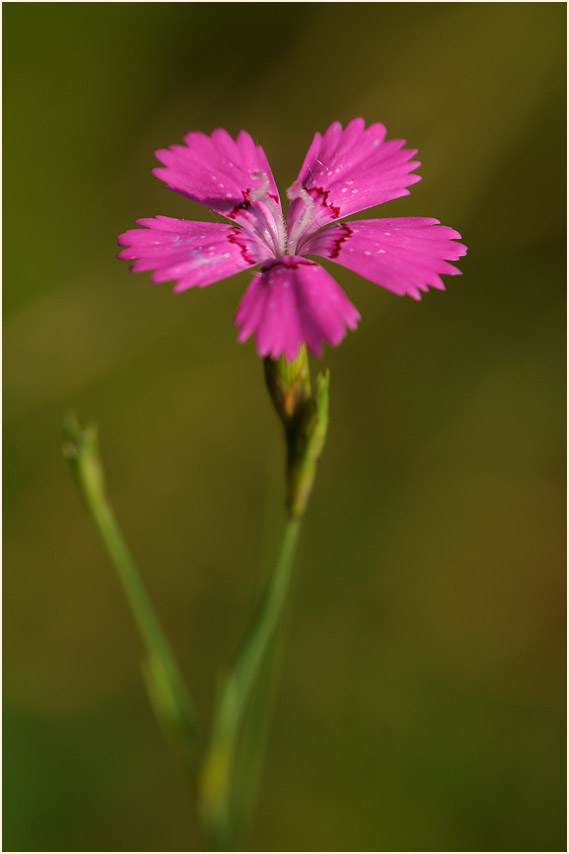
pixel 229 176
pixel 404 255
pixel 293 301
pixel 346 171
pixel 194 253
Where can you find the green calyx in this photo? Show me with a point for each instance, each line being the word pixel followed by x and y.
pixel 304 414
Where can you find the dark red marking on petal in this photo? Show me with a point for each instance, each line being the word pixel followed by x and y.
pixel 346 232
pixel 233 237
pixel 273 197
pixel 285 261
pixel 242 206
pixel 302 263
pixel 322 196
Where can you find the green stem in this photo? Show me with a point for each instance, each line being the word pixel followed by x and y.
pixel 134 589
pixel 168 692
pixel 233 758
pixel 219 767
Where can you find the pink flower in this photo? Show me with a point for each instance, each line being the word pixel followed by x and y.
pixel 292 299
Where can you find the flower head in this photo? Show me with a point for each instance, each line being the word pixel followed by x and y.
pixel 292 300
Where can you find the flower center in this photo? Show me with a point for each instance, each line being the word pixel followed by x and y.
pixel 298 196
pixel 269 223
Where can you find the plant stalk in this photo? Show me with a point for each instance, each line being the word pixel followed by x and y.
pixel 232 760
pixel 219 768
pixel 168 693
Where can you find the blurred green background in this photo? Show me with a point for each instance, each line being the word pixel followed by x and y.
pixel 422 705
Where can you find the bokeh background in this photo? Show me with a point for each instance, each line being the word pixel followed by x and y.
pixel 422 704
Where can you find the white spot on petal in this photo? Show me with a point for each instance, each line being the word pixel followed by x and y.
pixel 354 191
pixel 344 189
